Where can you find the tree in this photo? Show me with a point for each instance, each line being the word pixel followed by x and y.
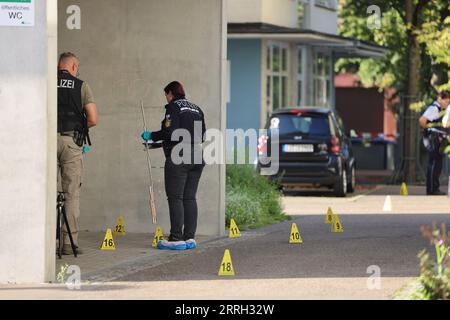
pixel 413 31
pixel 436 38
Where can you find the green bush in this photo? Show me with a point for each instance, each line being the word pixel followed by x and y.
pixel 251 199
pixel 435 275
pixel 242 207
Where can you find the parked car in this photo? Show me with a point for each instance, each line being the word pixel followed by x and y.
pixel 314 150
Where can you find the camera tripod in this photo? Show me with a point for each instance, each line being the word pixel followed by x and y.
pixel 61 220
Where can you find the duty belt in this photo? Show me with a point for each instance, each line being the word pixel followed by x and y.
pixel 66 133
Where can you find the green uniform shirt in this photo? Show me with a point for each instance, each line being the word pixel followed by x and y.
pixel 86 94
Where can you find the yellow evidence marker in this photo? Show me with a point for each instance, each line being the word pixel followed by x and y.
pixel 329 217
pixel 108 242
pixel 226 267
pixel 234 230
pixel 120 229
pixel 159 235
pixel 337 225
pixel 295 235
pixel 404 190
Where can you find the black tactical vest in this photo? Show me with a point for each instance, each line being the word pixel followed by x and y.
pixel 71 114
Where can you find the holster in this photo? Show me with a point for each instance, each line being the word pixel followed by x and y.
pixel 81 136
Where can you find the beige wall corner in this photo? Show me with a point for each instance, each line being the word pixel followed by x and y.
pixel 52 119
pixel 28 140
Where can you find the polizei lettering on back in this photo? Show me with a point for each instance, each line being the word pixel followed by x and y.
pixel 66 84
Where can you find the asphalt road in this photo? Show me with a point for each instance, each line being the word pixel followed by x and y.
pixel 325 264
pixel 390 242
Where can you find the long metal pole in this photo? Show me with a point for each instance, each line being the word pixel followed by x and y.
pixel 149 165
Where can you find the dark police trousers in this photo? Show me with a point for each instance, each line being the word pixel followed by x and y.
pixel 434 171
pixel 181 183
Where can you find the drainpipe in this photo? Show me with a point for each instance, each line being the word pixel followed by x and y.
pixel 333 87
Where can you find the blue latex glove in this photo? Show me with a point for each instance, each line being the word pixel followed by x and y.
pixel 86 149
pixel 146 135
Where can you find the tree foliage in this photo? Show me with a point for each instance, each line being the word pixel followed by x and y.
pixel 435 36
pixel 430 26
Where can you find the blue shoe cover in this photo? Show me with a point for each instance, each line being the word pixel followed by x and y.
pixel 191 244
pixel 171 245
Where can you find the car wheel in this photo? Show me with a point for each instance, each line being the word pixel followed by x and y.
pixel 352 181
pixel 340 188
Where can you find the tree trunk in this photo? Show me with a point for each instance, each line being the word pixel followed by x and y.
pixel 411 96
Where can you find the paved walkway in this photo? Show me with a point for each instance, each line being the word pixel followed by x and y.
pixel 325 266
pixel 369 201
pixel 133 251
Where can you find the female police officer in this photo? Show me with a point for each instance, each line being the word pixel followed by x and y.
pixel 184 164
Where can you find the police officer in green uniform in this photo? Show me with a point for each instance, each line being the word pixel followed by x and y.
pixel 77 112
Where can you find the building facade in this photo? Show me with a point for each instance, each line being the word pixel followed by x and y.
pixel 281 53
pixel 129 50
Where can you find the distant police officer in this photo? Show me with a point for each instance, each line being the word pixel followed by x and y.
pixel 432 118
pixel 183 169
pixel 77 113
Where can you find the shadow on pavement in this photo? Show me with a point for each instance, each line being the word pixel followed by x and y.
pixel 390 242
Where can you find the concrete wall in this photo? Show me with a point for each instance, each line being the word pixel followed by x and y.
pixel 320 19
pixel 283 13
pixel 244 11
pixel 129 51
pixel 28 140
pixel 279 12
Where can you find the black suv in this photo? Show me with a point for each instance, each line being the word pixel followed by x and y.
pixel 313 150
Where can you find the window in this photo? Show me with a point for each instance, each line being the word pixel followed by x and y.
pixel 300 76
pixel 307 124
pixel 277 76
pixel 322 78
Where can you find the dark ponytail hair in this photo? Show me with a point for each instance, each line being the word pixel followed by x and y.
pixel 177 90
